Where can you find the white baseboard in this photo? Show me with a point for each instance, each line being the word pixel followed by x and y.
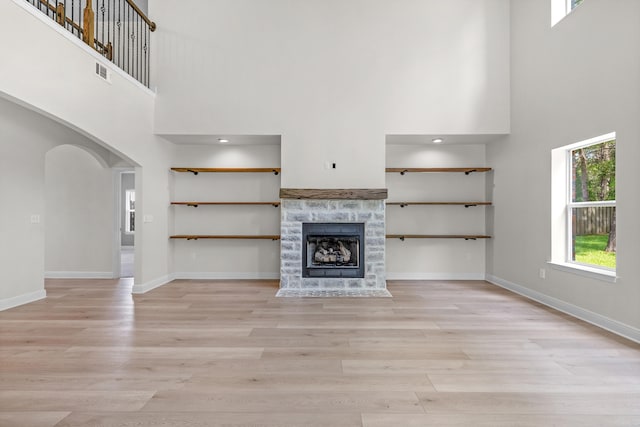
pixel 8 303
pixel 435 276
pixel 78 275
pixel 226 276
pixel 156 283
pixel 596 319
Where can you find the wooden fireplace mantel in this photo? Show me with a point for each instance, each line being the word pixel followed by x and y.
pixel 334 193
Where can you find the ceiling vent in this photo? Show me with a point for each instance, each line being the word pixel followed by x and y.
pixel 103 72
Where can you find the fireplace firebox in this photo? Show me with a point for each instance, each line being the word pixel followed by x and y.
pixel 333 250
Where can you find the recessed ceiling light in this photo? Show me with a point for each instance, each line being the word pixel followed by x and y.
pixel 223 140
pixel 437 140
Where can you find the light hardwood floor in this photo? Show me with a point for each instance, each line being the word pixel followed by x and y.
pixel 222 353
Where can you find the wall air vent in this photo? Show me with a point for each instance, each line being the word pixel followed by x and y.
pixel 103 72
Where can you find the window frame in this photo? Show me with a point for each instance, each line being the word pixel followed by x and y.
pixel 571 4
pixel 561 212
pixel 561 8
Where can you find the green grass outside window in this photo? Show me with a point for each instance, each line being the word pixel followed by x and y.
pixel 589 249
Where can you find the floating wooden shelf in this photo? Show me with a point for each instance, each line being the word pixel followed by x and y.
pixel 234 237
pixel 465 204
pixel 196 171
pixel 196 204
pixel 436 236
pixel 334 193
pixel 466 171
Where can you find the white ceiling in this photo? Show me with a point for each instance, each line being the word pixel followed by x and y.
pixel 214 139
pixel 448 139
pixel 276 139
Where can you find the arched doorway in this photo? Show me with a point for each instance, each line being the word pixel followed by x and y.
pixel 80 220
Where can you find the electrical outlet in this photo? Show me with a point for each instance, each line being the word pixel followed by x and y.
pixel 542 273
pixel 329 165
pixel 35 219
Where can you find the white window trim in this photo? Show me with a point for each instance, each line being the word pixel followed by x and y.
pixel 561 202
pixel 559 10
pixel 585 271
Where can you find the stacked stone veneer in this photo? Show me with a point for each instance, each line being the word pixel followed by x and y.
pixel 295 212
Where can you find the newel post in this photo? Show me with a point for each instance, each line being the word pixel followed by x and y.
pixel 60 14
pixel 88 35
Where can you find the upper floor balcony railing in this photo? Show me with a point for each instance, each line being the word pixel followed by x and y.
pixel 117 29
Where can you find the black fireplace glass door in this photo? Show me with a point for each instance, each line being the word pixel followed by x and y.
pixel 333 250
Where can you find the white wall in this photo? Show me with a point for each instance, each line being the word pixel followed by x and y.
pixel 571 82
pixel 79 214
pixel 22 157
pixel 333 77
pixel 118 116
pixel 436 258
pixel 226 258
pixel 28 141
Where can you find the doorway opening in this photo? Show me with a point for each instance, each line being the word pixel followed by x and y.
pixel 126 220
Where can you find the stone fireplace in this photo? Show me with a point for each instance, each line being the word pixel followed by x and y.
pixel 332 243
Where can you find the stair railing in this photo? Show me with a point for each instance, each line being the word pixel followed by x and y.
pixel 117 29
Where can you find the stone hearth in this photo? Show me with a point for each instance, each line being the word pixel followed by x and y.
pixel 295 212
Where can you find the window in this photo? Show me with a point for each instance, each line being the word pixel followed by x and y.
pixel 572 4
pixel 584 204
pixel 592 205
pixel 561 8
pixel 130 211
